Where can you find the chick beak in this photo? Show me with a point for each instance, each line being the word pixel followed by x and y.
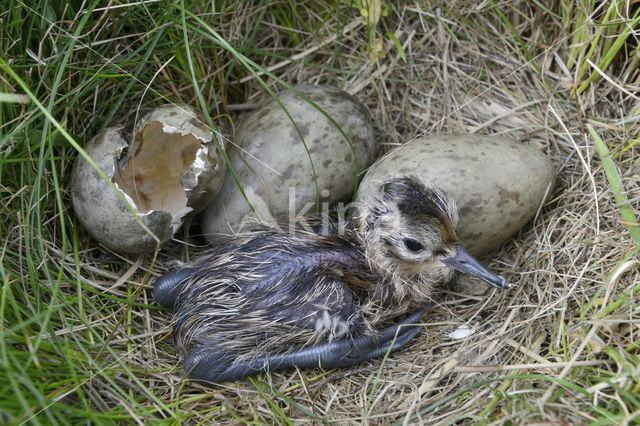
pixel 463 261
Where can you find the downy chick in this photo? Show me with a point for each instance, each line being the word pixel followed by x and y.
pixel 269 300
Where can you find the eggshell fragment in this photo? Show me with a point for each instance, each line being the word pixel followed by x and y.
pixel 171 169
pixel 282 176
pixel 462 332
pixel 497 184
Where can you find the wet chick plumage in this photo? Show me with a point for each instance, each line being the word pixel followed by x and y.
pixel 269 300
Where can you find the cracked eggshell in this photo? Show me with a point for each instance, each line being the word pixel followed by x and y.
pixel 270 158
pixel 171 169
pixel 498 184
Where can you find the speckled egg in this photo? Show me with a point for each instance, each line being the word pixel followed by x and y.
pixel 288 169
pixel 171 169
pixel 498 184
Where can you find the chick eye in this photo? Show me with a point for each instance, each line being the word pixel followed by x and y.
pixel 413 245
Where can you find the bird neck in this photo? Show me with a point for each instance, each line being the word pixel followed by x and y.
pixel 395 288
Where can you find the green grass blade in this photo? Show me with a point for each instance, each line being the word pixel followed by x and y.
pixel 627 215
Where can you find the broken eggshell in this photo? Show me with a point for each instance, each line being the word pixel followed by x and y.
pixel 170 170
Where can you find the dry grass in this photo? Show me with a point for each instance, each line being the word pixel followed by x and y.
pixel 562 347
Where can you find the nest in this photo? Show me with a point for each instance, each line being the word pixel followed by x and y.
pixel 561 346
pixel 568 265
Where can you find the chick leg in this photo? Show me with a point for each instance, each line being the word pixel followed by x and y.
pixel 211 365
pixel 167 288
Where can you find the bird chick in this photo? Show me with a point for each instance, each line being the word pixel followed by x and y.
pixel 269 300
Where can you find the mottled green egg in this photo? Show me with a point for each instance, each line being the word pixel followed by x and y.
pixel 287 170
pixel 498 184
